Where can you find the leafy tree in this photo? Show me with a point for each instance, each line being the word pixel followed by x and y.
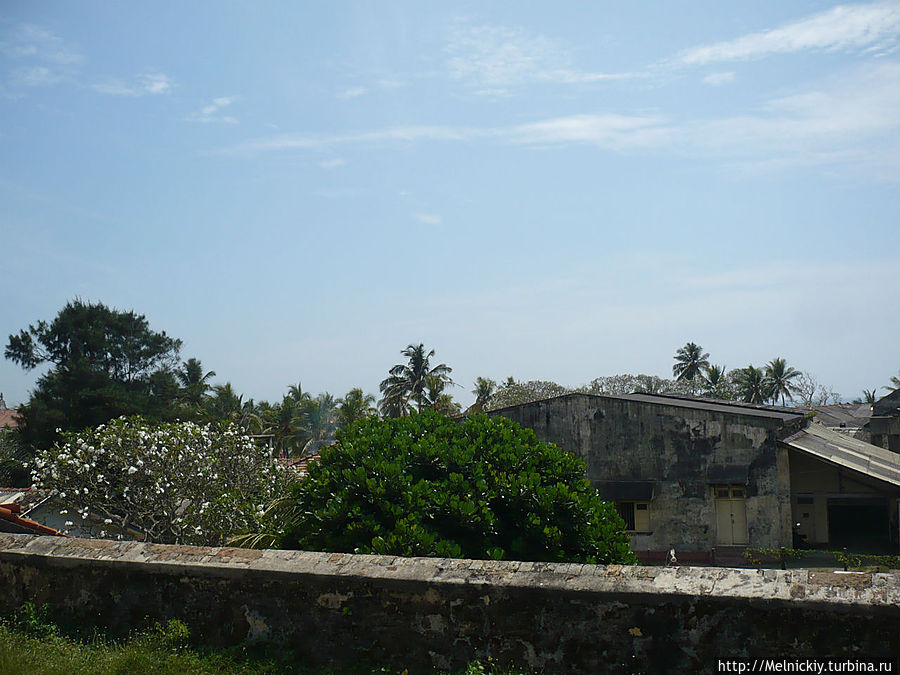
pixel 104 363
pixel 354 406
pixel 425 485
pixel 779 380
pixel 752 385
pixel 618 385
pixel 440 400
pixel 408 382
pixel 525 392
pixel 690 362
pixel 224 404
pixel 173 483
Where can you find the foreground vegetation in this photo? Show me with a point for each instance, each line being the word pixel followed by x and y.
pixel 425 485
pixel 30 643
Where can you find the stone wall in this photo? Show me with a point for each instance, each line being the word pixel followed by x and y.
pixel 684 451
pixel 349 611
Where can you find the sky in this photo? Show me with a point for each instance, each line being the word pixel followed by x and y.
pixel 554 191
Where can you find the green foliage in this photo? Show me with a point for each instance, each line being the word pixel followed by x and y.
pixel 517 393
pixel 690 362
pixel 14 455
pixel 426 486
pixel 409 382
pixel 105 363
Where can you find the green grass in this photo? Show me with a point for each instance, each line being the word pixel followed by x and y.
pixel 31 644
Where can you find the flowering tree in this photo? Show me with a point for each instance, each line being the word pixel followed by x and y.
pixel 171 483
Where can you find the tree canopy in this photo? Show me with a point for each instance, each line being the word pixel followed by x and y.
pixel 105 363
pixel 413 381
pixel 426 485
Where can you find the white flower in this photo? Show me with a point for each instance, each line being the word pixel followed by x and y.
pixel 69 523
pixel 132 469
pixel 107 521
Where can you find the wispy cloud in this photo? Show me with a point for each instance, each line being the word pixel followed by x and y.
pixel 607 131
pixel 851 119
pixel 493 59
pixel 351 92
pixel 149 84
pixel 210 112
pixel 870 26
pixel 44 57
pixel 428 219
pixel 719 79
pixel 332 163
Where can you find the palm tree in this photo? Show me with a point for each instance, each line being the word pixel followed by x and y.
pixel 439 400
pixel 286 422
pixel 224 404
pixel 778 380
pixel 690 361
pixel 354 406
pixel 869 396
pixel 408 381
pixel 192 379
pixel 484 389
pixel 713 376
pixel 752 385
pixel 296 393
pixel 320 417
pixel 894 385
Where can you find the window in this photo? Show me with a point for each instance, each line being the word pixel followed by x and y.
pixel 636 515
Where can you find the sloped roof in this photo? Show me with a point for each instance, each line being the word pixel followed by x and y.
pixel 847 452
pixel 11 520
pixel 845 415
pixel 8 418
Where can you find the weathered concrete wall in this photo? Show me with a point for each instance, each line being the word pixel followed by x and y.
pixel 685 451
pixel 345 611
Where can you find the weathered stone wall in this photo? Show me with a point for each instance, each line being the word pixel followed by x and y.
pixel 348 611
pixel 685 451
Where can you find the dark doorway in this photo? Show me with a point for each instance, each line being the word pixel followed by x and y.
pixel 859 525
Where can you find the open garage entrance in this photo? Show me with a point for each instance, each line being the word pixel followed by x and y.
pixel 859 524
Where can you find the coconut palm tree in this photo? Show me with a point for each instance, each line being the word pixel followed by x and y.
pixel 894 385
pixel 409 381
pixel 484 389
pixel 193 380
pixel 779 378
pixel 752 385
pixel 354 406
pixel 690 361
pixel 320 417
pixel 286 423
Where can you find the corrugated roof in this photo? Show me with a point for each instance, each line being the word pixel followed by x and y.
pixel 715 405
pixel 850 453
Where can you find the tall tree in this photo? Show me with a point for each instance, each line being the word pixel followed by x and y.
pixel 484 389
pixel 408 382
pixel 752 385
pixel 194 382
pixel 779 380
pixel 690 361
pixel 355 406
pixel 320 417
pixel 894 385
pixel 104 363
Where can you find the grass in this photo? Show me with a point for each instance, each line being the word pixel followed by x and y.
pixel 30 643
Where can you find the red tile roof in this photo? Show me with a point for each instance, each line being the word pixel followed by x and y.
pixel 11 513
pixel 9 418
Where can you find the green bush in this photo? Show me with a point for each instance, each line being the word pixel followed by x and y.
pixel 425 485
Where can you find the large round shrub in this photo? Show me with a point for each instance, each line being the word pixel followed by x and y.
pixel 428 486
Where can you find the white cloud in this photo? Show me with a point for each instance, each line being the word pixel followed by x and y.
pixel 351 92
pixel 332 163
pixel 850 119
pixel 718 79
pixel 428 218
pixel 609 131
pixel 494 58
pixel 869 26
pixel 148 84
pixel 209 112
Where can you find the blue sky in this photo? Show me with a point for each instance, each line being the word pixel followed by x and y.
pixel 300 190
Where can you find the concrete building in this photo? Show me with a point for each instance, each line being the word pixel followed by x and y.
pixel 710 477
